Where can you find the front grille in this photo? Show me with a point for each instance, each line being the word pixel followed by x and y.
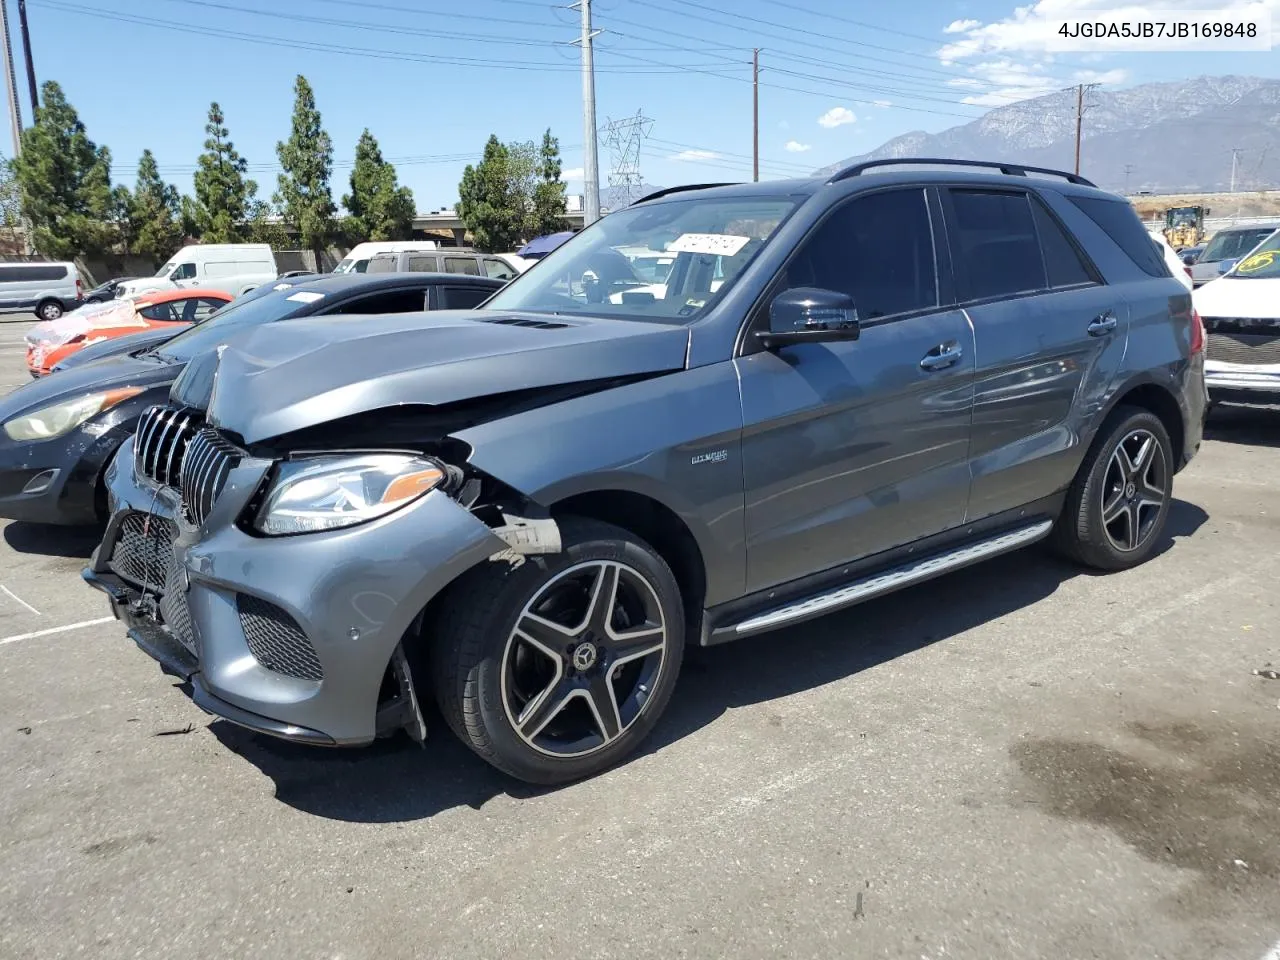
pixel 143 553
pixel 208 462
pixel 174 611
pixel 275 639
pixel 161 442
pixel 1253 349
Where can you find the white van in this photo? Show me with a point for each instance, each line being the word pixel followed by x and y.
pixel 357 261
pixel 48 289
pixel 233 268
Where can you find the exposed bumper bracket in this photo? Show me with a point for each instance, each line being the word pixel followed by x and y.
pixel 403 712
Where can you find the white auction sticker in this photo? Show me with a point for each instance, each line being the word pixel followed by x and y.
pixel 305 296
pixel 1139 29
pixel 723 244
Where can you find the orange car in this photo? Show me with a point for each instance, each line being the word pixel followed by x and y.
pixel 52 341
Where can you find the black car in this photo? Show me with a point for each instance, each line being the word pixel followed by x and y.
pixel 106 291
pixel 59 433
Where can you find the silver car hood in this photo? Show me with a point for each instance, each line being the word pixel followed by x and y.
pixel 285 377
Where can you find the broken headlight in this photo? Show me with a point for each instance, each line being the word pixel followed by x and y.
pixel 331 492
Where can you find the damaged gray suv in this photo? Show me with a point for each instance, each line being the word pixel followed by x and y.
pixel 525 513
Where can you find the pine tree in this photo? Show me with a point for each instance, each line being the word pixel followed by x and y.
pixel 10 209
pixel 64 181
pixel 380 208
pixel 303 193
pixel 154 213
pixel 489 202
pixel 548 195
pixel 223 195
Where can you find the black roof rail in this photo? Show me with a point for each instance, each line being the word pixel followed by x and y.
pixel 688 186
pixel 1008 169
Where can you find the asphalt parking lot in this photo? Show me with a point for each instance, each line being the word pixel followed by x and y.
pixel 1019 760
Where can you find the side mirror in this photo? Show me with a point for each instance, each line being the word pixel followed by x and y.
pixel 810 315
pixel 1226 265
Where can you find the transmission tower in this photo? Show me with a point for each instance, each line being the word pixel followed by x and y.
pixel 624 139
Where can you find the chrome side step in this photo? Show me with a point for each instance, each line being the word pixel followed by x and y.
pixel 894 579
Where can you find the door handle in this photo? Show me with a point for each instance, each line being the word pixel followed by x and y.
pixel 942 356
pixel 1103 323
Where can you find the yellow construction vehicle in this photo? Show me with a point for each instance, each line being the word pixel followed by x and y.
pixel 1184 226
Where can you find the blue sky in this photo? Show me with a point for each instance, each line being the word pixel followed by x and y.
pixel 433 78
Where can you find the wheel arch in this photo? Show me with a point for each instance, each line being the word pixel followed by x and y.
pixel 1149 394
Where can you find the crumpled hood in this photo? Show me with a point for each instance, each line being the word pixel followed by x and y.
pixel 82 322
pixel 1256 298
pixel 108 374
pixel 284 377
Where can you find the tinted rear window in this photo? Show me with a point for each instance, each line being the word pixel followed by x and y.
pixel 997 245
pixel 1120 222
pixel 31 272
pixel 463 298
pixel 1061 258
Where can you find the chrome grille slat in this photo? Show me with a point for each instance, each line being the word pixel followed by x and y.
pixel 210 460
pixel 161 443
pixel 183 420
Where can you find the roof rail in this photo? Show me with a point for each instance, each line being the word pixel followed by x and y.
pixel 688 186
pixel 1008 169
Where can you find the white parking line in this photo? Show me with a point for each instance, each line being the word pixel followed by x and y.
pixel 13 596
pixel 52 630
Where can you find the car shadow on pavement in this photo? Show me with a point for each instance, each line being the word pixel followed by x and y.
pixel 395 780
pixel 51 541
pixel 1254 426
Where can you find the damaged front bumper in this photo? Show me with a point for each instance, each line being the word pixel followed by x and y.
pixel 299 636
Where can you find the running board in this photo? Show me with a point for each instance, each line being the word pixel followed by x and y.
pixel 894 579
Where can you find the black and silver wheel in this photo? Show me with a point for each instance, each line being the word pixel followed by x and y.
pixel 1118 505
pixel 557 669
pixel 49 310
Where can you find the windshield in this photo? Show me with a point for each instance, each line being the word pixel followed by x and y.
pixel 1229 244
pixel 1262 263
pixel 167 269
pixel 708 240
pixel 263 305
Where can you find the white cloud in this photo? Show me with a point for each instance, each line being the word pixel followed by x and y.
pixel 795 146
pixel 998 83
pixel 1032 29
pixel 695 155
pixel 836 117
pixel 1117 75
pixel 573 173
pixel 883 104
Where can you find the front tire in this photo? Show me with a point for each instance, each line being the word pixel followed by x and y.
pixel 557 669
pixel 1118 505
pixel 49 310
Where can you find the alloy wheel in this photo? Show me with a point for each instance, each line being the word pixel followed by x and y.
pixel 583 659
pixel 1133 490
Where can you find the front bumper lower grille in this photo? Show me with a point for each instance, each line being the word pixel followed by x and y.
pixel 275 639
pixel 143 551
pixel 1250 349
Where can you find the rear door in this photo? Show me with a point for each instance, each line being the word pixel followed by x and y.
pixel 458 297
pixel 462 264
pixel 1050 337
pixel 850 449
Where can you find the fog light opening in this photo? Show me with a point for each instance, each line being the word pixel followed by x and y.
pixel 41 482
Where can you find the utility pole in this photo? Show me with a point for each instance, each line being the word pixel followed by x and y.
pixel 26 49
pixel 1128 167
pixel 1235 160
pixel 755 115
pixel 1081 90
pixel 15 115
pixel 591 163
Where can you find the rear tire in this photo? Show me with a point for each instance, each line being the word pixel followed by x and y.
pixel 49 310
pixel 1118 505
pixel 557 669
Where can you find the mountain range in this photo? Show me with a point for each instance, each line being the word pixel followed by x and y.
pixel 1159 137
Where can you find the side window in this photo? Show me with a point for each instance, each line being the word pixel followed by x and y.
pixel 420 263
pixel 463 298
pixel 1061 258
pixel 995 244
pixel 185 272
pixel 382 265
pixel 160 311
pixel 1120 222
pixel 388 301
pixel 360 266
pixel 498 269
pixel 465 265
pixel 201 309
pixel 878 249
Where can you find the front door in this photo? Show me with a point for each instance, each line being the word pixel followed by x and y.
pixel 853 448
